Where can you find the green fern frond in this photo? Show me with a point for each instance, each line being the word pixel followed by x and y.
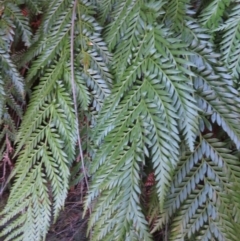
pixel 48 47
pixel 46 141
pixel 162 103
pixel 35 7
pixel 231 41
pixel 55 10
pixel 11 91
pixel 150 88
pixel 49 52
pixel 197 195
pixel 11 71
pixel 212 94
pixel 44 154
pixel 21 22
pixel 161 79
pixel 93 55
pixel 11 102
pixel 105 8
pixel 82 92
pixel 124 12
pixel 33 51
pixel 213 12
pixel 194 32
pixel 176 11
pixel 38 98
pixel 128 163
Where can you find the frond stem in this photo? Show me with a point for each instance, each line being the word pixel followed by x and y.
pixel 74 95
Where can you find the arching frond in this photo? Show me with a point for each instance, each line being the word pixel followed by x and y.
pixel 21 22
pixel 197 200
pixel 46 140
pixel 231 41
pixel 212 14
pixel 156 121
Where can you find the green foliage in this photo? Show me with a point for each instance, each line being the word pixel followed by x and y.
pixel 213 13
pixel 170 86
pixel 46 139
pixel 163 104
pixel 230 48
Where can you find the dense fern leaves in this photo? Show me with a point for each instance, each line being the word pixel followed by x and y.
pixel 158 116
pixel 213 12
pixel 231 39
pixel 12 90
pixel 170 88
pixel 46 139
pixel 200 193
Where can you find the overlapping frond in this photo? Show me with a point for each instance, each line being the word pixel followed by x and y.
pixel 11 72
pixel 161 80
pixel 207 70
pixel 230 45
pixel 21 22
pixel 176 11
pixel 11 86
pixel 161 111
pixel 213 12
pixel 35 6
pixel 105 9
pixel 198 201
pixel 48 146
pixel 152 87
pixel 211 96
pixel 92 58
pixel 46 140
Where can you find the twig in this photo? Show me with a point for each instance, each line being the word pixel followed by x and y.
pixel 74 95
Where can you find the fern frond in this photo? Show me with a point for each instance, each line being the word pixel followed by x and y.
pixel 213 12
pixel 130 190
pixel 197 195
pixel 82 92
pixel 12 102
pixel 11 87
pixel 21 21
pixel 44 154
pixel 35 7
pixel 55 10
pixel 193 32
pixel 162 104
pixel 123 13
pixel 105 8
pixel 153 87
pixel 11 71
pixel 231 41
pixel 176 12
pixel 46 141
pixel 212 94
pixel 93 55
pixel 49 52
pixel 39 97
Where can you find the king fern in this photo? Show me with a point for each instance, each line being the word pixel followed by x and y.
pixel 144 94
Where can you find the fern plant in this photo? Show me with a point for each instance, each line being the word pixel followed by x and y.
pixel 147 90
pixel 46 139
pixel 171 91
